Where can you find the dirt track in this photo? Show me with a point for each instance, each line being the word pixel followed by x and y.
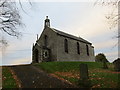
pixel 32 77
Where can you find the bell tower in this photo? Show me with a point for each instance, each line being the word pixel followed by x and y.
pixel 47 22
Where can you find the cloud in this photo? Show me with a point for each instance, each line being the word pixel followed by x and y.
pixel 91 24
pixel 112 55
pixel 105 44
pixel 57 1
pixel 21 61
pixel 108 47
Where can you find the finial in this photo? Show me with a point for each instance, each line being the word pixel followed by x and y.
pixel 47 22
pixel 46 17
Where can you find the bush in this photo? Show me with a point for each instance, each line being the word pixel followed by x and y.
pixel 101 58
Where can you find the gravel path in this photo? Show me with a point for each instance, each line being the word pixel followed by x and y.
pixel 32 77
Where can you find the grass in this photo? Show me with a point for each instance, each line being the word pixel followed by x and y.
pixel 99 78
pixel 52 67
pixel 7 79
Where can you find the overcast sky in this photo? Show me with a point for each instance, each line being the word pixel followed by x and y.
pixel 77 18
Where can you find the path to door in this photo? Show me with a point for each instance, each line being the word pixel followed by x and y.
pixel 32 77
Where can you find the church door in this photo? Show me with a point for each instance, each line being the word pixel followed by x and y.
pixel 36 56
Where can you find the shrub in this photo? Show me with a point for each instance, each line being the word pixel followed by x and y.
pixel 101 58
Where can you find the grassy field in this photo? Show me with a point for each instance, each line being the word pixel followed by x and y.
pixel 99 78
pixel 7 79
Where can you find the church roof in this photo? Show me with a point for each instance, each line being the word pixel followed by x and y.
pixel 70 36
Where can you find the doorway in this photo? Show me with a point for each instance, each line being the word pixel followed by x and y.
pixel 36 55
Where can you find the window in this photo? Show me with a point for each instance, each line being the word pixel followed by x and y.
pixel 66 45
pixel 87 48
pixel 78 48
pixel 45 42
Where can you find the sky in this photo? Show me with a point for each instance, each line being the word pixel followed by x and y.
pixel 77 18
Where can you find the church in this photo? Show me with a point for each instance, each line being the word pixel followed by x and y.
pixel 55 45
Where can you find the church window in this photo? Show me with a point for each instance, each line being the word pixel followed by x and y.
pixel 45 42
pixel 87 48
pixel 66 45
pixel 78 48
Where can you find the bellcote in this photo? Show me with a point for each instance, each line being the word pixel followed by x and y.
pixel 47 22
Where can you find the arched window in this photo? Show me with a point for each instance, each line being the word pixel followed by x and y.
pixel 78 48
pixel 45 40
pixel 66 45
pixel 87 48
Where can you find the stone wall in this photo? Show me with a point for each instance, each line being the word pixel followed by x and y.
pixel 51 42
pixel 34 54
pixel 72 54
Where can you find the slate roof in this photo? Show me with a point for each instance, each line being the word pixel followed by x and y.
pixel 70 36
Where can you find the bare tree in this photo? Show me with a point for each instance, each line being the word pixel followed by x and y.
pixel 113 17
pixel 9 19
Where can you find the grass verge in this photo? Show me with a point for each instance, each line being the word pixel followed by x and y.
pixel 99 78
pixel 7 79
